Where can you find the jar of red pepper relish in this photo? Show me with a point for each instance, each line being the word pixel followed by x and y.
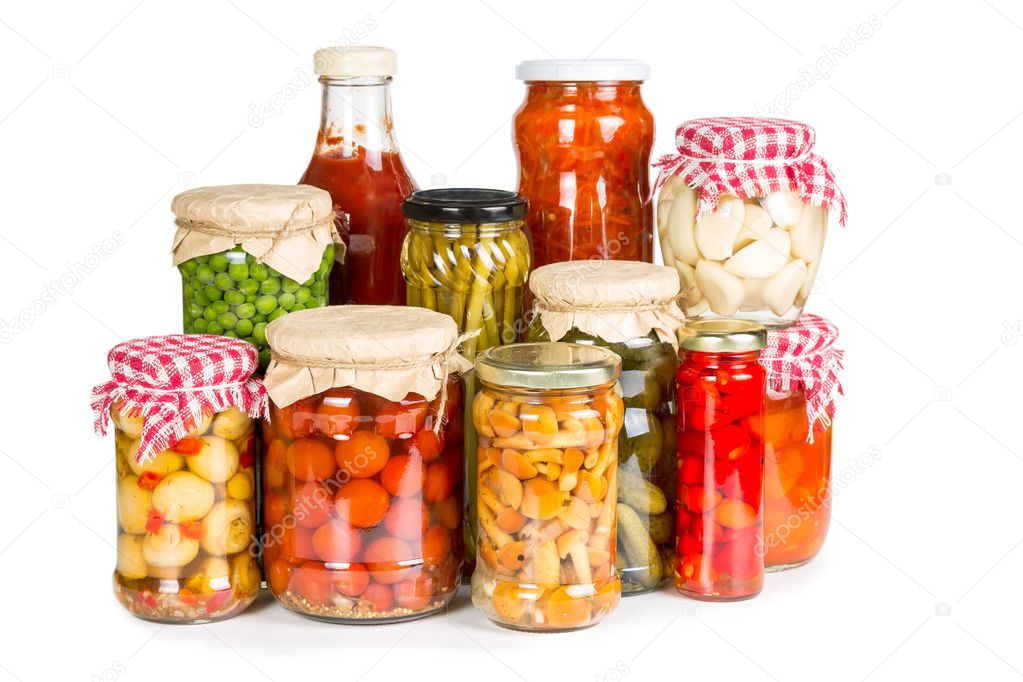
pixel 358 162
pixel 720 516
pixel 583 138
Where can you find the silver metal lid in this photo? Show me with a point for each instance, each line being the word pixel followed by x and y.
pixel 548 366
pixel 722 336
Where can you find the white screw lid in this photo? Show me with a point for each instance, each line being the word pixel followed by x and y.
pixel 352 62
pixel 582 70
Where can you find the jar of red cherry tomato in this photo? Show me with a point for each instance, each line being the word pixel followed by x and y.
pixel 719 524
pixel 803 385
pixel 362 473
pixel 583 137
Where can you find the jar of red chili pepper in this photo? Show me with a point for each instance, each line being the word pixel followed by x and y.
pixel 362 471
pixel 183 408
pixel 358 162
pixel 719 524
pixel 803 387
pixel 583 137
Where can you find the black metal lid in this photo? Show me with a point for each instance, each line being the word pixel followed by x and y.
pixel 465 205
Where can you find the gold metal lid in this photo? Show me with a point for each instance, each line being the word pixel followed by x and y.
pixel 722 336
pixel 548 366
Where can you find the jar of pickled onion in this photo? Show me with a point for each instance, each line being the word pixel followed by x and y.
pixel 583 137
pixel 719 521
pixel 803 386
pixel 547 417
pixel 362 469
pixel 183 408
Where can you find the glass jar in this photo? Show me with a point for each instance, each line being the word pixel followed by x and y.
pixel 721 388
pixel 797 481
pixel 547 417
pixel 358 161
pixel 183 408
pixel 466 256
pixel 248 254
pixel 583 138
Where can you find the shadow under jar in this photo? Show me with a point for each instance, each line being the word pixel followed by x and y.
pixel 547 417
pixel 363 493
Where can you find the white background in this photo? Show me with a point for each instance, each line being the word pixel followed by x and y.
pixel 109 109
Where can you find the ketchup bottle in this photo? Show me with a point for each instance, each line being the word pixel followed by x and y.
pixel 357 161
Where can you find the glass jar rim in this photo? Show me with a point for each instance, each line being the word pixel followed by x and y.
pixel 548 366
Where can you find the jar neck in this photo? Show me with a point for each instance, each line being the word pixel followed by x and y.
pixel 356 113
pixel 718 359
pixel 599 90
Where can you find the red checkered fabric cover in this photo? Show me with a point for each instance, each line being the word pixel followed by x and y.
pixel 175 381
pixel 750 157
pixel 804 355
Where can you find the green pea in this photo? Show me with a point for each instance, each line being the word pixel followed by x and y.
pixel 303 294
pixel 295 308
pixel 286 301
pixel 199 326
pixel 227 320
pixel 189 267
pixel 270 286
pixel 187 292
pixel 205 274
pixel 231 333
pixel 275 314
pixel 201 298
pixel 243 328
pixel 245 311
pixel 316 288
pixel 202 260
pixel 289 285
pixel 234 297
pixel 259 333
pixel 258 318
pixel 314 303
pixel 213 293
pixel 248 286
pixel 210 314
pixel 251 298
pixel 238 271
pixel 259 272
pixel 218 262
pixel 223 281
pixel 220 307
pixel 196 284
pixel 214 328
pixel 266 304
pixel 195 310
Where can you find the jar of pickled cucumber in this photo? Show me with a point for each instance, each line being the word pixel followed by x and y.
pixel 631 309
pixel 362 469
pixel 803 386
pixel 183 410
pixel 547 417
pixel 251 253
pixel 742 214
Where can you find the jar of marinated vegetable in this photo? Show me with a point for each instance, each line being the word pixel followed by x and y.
pixel 803 386
pixel 362 470
pixel 357 160
pixel 741 215
pixel 547 416
pixel 251 253
pixel 719 525
pixel 583 137
pixel 183 409
pixel 631 309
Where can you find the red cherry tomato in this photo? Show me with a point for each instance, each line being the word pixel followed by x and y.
pixel 402 419
pixel 362 502
pixel 389 560
pixel 438 482
pixel 407 518
pixel 426 444
pixel 363 455
pixel 310 459
pixel 278 576
pixel 311 504
pixel 380 597
pixel 351 581
pixel 338 413
pixel 415 592
pixel 403 475
pixel 297 420
pixel 336 541
pixel 436 545
pixel 274 509
pixel 297 543
pixel 313 581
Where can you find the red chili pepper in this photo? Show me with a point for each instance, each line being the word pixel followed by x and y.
pixel 248 456
pixel 154 521
pixel 148 599
pixel 149 480
pixel 188 446
pixel 699 499
pixel 185 596
pixel 729 442
pixel 691 472
pixel 739 405
pixel 192 529
pixel 217 600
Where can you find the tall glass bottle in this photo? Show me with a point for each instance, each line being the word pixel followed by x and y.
pixel 358 162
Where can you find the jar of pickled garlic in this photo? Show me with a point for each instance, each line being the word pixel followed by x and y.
pixel 362 468
pixel 251 253
pixel 547 417
pixel 629 308
pixel 719 524
pixel 183 409
pixel 741 215
pixel 583 137
pixel 803 386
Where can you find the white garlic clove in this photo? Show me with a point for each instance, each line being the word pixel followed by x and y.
pixel 763 258
pixel 779 291
pixel 667 255
pixel 811 275
pixel 664 198
pixel 808 233
pixel 754 299
pixel 755 225
pixel 687 279
pixel 679 228
pixel 716 232
pixel 785 208
pixel 724 292
pixel 698 308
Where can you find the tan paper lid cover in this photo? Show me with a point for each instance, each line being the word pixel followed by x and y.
pixel 387 350
pixel 285 226
pixel 615 300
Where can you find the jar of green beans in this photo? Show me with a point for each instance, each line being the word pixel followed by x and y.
pixel 466 255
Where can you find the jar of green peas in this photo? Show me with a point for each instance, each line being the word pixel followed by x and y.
pixel 249 254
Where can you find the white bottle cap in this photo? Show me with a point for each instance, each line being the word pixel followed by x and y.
pixel 352 62
pixel 582 70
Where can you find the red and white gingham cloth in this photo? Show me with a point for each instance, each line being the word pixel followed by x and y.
pixel 750 157
pixel 805 355
pixel 174 382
